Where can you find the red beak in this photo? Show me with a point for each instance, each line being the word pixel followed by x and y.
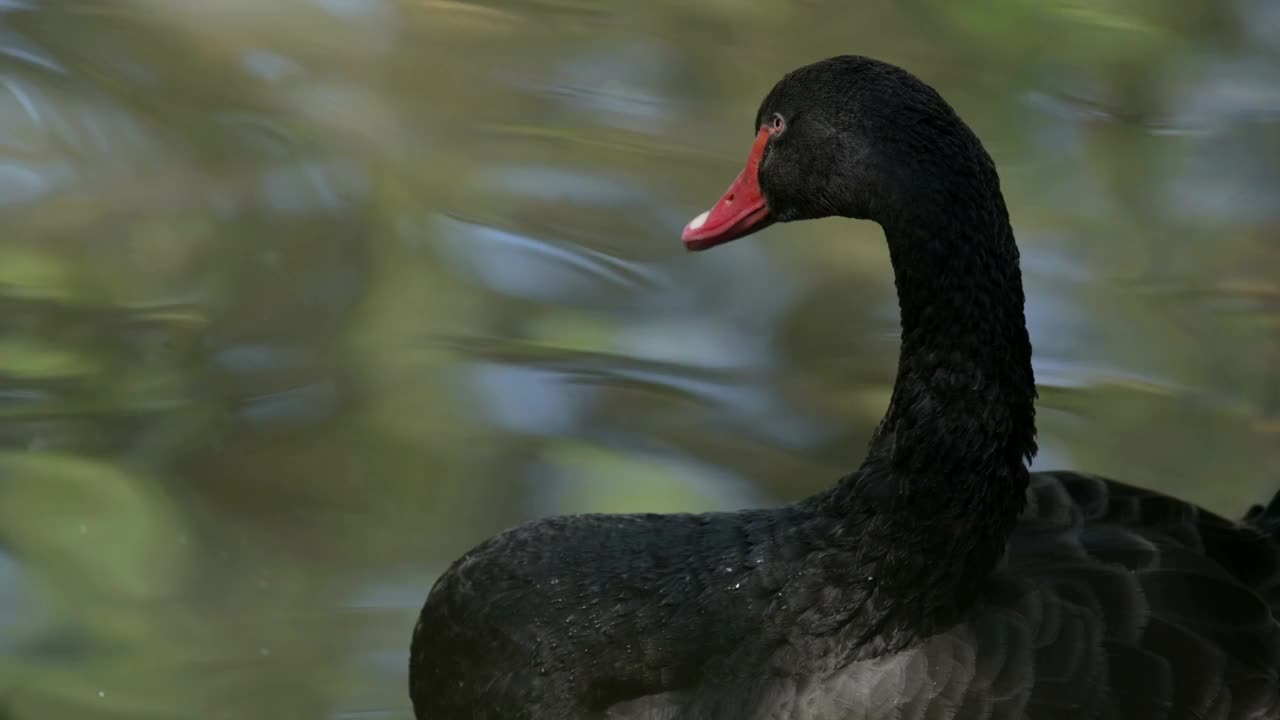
pixel 741 211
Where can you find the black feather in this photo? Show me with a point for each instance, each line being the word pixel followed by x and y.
pixel 940 579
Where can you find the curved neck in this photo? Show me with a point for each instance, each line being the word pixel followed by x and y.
pixel 964 398
pixel 945 476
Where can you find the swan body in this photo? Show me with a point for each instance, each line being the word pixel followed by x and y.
pixel 940 579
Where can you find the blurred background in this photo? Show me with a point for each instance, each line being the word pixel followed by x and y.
pixel 300 299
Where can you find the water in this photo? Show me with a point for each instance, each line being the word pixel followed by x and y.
pixel 302 299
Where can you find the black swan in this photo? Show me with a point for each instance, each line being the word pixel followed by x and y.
pixel 940 579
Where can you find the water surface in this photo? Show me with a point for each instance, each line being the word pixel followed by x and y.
pixel 302 299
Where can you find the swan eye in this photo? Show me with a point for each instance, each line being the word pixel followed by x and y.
pixel 776 124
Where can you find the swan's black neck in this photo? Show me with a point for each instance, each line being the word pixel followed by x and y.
pixel 963 400
pixel 945 476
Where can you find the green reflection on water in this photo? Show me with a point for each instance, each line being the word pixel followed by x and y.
pixel 299 303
